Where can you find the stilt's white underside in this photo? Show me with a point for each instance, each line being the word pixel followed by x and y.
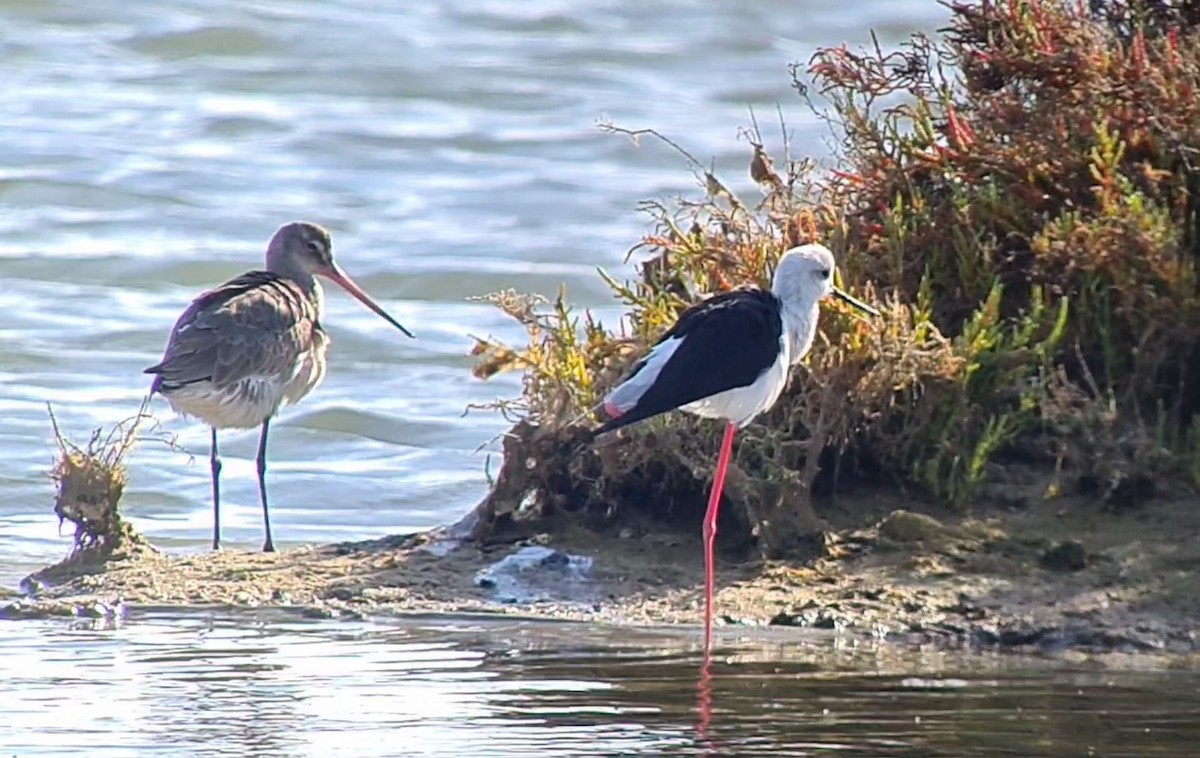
pixel 741 404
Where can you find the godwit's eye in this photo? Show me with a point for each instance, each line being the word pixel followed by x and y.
pixel 314 246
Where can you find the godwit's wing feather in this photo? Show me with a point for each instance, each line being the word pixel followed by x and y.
pixel 255 325
pixel 721 343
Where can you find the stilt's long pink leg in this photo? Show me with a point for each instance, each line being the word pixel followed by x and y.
pixel 710 530
pixel 704 699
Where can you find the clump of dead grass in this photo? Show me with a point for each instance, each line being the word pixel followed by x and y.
pixel 90 480
pixel 1019 194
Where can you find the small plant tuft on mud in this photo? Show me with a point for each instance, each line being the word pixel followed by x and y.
pixel 90 481
pixel 1018 195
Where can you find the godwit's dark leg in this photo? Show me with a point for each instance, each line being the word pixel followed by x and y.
pixel 269 545
pixel 710 529
pixel 214 462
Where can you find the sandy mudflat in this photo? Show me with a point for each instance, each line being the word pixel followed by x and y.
pixel 1059 575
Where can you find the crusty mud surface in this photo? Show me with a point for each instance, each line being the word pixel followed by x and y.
pixel 1046 575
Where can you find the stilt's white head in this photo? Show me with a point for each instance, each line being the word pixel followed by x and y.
pixel 804 276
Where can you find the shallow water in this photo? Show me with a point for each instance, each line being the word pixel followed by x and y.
pixel 273 684
pixel 150 149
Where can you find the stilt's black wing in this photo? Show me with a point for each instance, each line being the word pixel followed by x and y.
pixel 729 340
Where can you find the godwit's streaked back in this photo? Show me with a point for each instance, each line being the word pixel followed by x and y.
pixel 242 349
pixel 728 357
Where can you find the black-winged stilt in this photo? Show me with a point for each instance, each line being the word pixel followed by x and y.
pixel 242 349
pixel 728 357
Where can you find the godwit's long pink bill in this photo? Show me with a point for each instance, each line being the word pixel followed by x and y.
pixel 244 348
pixel 339 277
pixel 728 357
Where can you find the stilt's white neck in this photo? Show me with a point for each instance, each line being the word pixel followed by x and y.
pixel 800 327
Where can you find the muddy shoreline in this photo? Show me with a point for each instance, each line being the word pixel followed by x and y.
pixel 1050 576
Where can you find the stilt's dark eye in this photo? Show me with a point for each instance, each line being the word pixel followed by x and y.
pixel 824 273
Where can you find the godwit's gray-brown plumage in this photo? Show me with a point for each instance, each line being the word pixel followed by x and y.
pixel 242 349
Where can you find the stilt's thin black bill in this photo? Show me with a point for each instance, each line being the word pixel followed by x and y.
pixel 854 301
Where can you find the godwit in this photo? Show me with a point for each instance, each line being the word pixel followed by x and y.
pixel 242 349
pixel 728 357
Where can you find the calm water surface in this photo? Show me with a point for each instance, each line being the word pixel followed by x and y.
pixel 274 685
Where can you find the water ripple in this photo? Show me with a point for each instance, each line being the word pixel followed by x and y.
pixel 270 683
